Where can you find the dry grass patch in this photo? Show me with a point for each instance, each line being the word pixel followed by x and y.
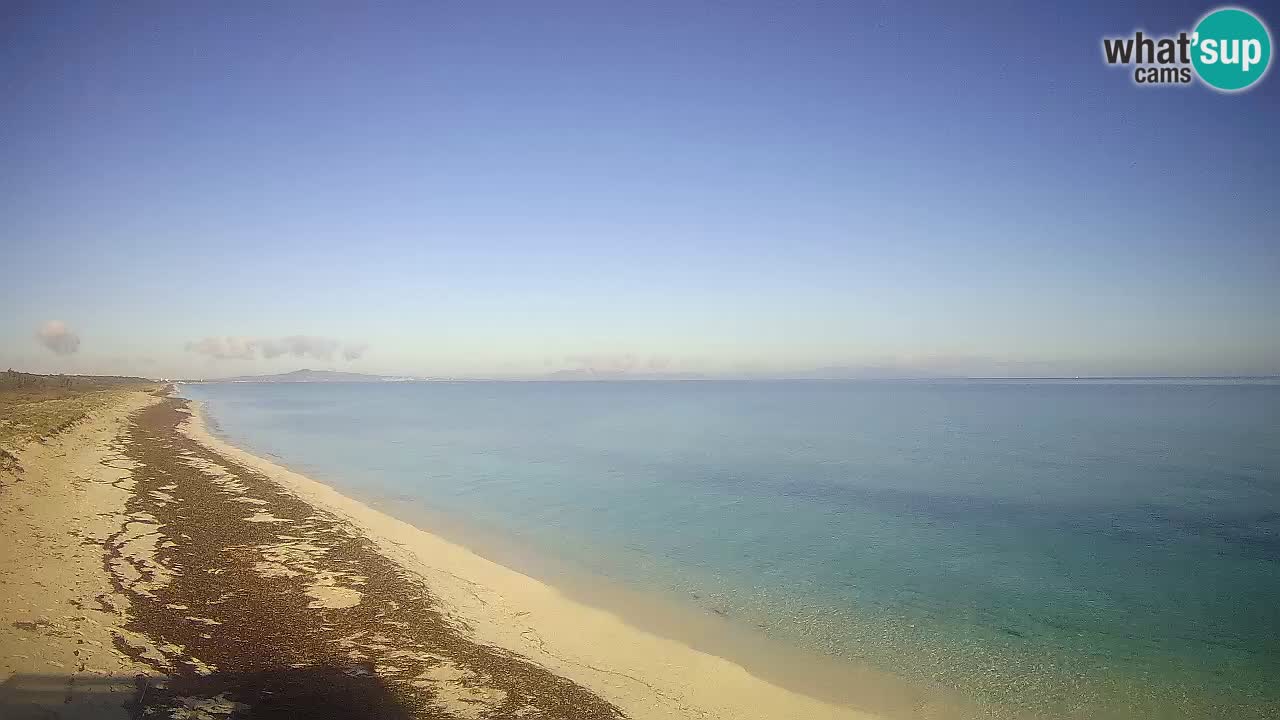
pixel 33 407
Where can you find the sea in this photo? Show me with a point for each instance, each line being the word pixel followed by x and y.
pixel 1041 548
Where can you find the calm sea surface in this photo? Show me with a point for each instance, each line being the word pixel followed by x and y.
pixel 1073 549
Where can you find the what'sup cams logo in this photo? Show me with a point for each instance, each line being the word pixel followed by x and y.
pixel 1229 50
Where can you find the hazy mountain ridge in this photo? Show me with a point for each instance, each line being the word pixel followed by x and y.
pixel 311 376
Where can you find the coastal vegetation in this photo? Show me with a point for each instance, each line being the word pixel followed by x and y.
pixel 34 407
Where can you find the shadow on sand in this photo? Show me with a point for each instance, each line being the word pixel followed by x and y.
pixel 315 692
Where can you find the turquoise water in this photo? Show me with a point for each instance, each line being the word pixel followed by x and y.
pixel 1067 549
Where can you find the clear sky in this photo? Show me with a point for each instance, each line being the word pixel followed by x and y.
pixel 515 188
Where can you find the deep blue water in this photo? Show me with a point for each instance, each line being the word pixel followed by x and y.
pixel 1076 549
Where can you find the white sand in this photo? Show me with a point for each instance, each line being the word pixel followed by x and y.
pixel 59 616
pixel 645 675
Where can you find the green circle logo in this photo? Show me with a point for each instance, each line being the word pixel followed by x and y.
pixel 1232 49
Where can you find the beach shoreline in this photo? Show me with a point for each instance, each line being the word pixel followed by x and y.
pixel 825 678
pixel 576 633
pixel 173 550
pixel 146 575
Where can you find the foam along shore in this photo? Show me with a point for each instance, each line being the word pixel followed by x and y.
pixel 643 674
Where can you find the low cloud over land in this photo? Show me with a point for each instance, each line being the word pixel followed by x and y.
pixel 299 346
pixel 59 338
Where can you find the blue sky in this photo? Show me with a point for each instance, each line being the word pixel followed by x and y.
pixel 509 189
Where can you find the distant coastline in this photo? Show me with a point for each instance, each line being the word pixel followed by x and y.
pixel 307 375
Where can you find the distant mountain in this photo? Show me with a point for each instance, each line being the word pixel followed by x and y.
pixel 311 376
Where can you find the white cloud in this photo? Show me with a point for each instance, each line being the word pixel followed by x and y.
pixel 300 346
pixel 225 348
pixel 59 338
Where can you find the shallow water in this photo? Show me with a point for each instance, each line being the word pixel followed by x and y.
pixel 1071 549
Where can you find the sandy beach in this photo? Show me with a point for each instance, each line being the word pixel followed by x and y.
pixel 177 571
pixel 63 641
